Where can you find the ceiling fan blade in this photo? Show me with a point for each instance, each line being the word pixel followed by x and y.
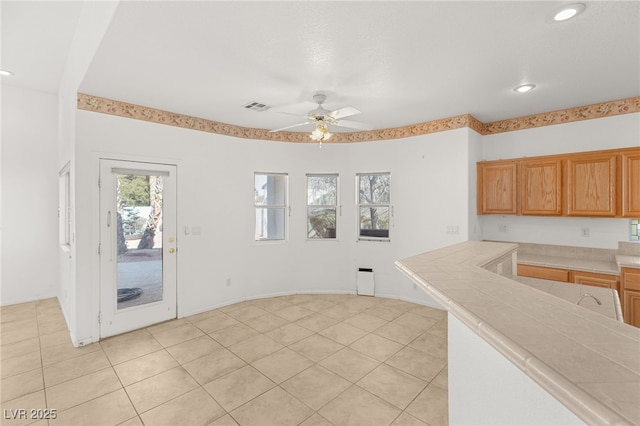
pixel 289 127
pixel 353 125
pixel 292 113
pixel 343 112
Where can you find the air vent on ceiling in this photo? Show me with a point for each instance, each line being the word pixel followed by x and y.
pixel 256 106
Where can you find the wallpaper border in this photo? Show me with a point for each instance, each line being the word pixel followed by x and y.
pixel 589 112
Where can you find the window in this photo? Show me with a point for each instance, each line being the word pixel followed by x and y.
pixel 271 206
pixel 374 205
pixel 64 207
pixel 322 206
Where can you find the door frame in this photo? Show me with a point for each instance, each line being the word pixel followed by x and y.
pixel 92 312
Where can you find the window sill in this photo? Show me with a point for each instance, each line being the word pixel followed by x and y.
pixel 269 242
pixel 379 240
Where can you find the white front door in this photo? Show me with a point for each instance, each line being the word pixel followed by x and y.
pixel 137 245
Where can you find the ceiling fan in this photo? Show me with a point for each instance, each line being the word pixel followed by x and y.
pixel 322 117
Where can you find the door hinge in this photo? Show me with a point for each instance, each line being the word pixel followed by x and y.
pixel 99 182
pixel 99 247
pixel 100 317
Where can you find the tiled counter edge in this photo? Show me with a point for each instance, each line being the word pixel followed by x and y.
pixel 464 256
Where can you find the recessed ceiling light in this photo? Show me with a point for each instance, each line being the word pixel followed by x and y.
pixel 5 72
pixel 524 88
pixel 568 12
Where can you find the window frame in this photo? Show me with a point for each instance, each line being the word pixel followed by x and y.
pixel 360 205
pixel 335 206
pixel 65 234
pixel 286 208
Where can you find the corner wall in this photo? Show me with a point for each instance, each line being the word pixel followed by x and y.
pixel 620 131
pixel 430 187
pixel 29 195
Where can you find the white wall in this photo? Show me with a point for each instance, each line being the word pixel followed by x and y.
pixel 29 195
pixel 430 187
pixel 497 393
pixel 433 178
pixel 92 23
pixel 620 131
pixel 475 155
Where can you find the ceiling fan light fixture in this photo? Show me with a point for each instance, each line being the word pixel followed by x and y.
pixel 321 118
pixel 321 133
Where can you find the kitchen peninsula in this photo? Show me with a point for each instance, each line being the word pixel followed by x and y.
pixel 588 363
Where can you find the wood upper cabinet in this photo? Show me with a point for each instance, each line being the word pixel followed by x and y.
pixel 541 187
pixel 590 188
pixel 497 187
pixel 588 184
pixel 630 183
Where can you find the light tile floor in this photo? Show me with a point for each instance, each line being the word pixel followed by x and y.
pixel 291 360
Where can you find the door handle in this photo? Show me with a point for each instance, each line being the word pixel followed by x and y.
pixel 172 250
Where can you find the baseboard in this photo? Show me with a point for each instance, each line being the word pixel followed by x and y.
pixel 261 296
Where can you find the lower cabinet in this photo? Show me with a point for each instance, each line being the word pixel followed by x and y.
pixel 544 273
pixel 597 280
pixel 630 295
pixel 631 312
pixel 570 276
pixel 627 284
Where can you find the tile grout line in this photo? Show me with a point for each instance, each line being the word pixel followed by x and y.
pixel 124 389
pixel 200 386
pixel 313 363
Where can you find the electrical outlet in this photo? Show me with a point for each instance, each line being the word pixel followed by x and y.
pixel 503 227
pixel 585 232
pixel 228 282
pixel 453 229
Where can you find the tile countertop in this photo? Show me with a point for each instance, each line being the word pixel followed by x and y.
pixel 601 267
pixel 624 261
pixel 588 362
pixel 581 258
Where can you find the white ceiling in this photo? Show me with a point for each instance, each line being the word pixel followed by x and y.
pixel 400 63
pixel 36 37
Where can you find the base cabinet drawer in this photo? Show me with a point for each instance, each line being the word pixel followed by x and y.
pixel 544 273
pixel 595 279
